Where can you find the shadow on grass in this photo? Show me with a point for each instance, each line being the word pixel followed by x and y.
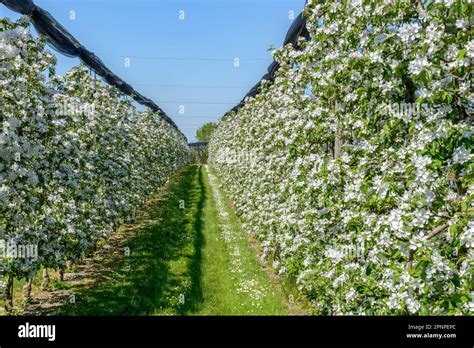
pixel 162 274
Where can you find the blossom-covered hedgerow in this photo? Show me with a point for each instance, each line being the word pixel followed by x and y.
pixel 76 157
pixel 354 167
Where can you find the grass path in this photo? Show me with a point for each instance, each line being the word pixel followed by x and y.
pixel 186 255
pixel 234 281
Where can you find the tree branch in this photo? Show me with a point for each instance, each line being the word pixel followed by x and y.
pixel 434 232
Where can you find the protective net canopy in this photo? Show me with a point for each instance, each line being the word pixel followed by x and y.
pixel 62 41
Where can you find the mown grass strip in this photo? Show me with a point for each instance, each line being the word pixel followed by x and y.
pixel 186 255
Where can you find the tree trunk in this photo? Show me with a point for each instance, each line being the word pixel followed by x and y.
pixel 337 143
pixel 45 282
pixel 9 294
pixel 27 288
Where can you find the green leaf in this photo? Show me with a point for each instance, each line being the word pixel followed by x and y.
pixel 461 54
pixel 456 281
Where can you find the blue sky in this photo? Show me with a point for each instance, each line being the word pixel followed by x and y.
pixel 177 62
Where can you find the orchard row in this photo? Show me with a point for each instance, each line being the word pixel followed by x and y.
pixel 76 157
pixel 354 167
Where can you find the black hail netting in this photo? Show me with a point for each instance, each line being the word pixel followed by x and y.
pixel 62 41
pixel 65 43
